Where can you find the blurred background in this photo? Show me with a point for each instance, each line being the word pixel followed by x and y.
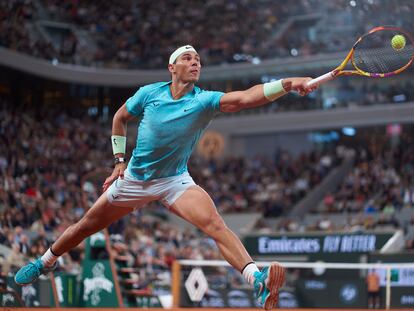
pixel 335 167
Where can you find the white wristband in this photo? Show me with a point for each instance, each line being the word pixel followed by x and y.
pixel 118 144
pixel 273 90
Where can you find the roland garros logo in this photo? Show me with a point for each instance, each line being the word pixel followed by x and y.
pixel 95 285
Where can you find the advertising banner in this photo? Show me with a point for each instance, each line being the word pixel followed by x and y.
pixel 320 293
pixel 98 287
pixel 38 294
pixel 98 284
pixel 147 302
pixel 317 244
pixel 67 289
pixel 222 298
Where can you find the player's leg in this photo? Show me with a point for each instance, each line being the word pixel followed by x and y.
pixel 98 217
pixel 196 206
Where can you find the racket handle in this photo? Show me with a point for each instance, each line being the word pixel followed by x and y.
pixel 321 79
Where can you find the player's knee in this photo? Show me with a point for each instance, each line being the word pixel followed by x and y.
pixel 215 226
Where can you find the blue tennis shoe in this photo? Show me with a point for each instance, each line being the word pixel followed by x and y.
pixel 267 284
pixel 31 272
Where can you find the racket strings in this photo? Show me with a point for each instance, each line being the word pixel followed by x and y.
pixel 383 62
pixel 375 54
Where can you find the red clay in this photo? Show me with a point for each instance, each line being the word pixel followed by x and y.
pixel 181 309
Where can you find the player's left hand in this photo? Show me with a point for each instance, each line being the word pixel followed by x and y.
pixel 118 172
pixel 298 85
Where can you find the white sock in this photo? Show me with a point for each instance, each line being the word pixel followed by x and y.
pixel 49 259
pixel 248 272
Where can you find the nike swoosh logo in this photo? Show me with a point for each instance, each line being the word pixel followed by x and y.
pixel 156 104
pixel 185 182
pixel 187 47
pixel 185 110
pixel 115 143
pixel 115 197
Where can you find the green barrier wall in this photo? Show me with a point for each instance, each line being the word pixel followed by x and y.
pixel 97 287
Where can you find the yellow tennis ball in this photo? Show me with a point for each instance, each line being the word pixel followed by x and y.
pixel 398 42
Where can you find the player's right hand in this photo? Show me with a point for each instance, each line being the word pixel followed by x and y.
pixel 118 172
pixel 298 85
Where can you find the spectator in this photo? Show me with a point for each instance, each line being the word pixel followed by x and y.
pixel 373 286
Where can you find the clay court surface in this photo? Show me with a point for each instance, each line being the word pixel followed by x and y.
pixel 184 309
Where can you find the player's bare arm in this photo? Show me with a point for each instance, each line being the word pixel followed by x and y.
pixel 257 96
pixel 119 131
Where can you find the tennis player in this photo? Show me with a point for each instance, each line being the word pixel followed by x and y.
pixel 172 117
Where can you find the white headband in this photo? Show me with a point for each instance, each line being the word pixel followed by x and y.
pixel 179 51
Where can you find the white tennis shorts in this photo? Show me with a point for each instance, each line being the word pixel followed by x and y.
pixel 130 192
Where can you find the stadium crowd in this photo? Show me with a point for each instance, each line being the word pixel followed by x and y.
pixel 261 184
pixel 136 34
pixel 371 195
pixel 381 181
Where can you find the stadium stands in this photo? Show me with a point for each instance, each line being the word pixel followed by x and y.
pixel 137 34
pixel 261 184
pixel 379 182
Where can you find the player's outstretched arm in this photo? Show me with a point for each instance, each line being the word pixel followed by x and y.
pixel 119 132
pixel 263 94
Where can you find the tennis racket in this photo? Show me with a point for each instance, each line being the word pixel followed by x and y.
pixel 374 55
